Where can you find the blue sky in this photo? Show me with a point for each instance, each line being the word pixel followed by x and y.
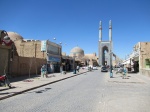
pixel 76 22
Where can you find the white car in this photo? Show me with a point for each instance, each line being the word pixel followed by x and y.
pixel 95 68
pixel 85 67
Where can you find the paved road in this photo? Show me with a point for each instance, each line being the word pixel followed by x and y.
pixel 89 92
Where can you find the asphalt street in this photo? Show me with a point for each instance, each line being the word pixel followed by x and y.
pixel 89 92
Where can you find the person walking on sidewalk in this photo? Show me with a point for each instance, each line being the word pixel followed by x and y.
pixel 44 71
pixel 125 70
pixel 78 68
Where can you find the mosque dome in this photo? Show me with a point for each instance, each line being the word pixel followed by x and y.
pixel 77 51
pixel 14 36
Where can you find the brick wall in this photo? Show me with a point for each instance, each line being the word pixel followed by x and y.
pixel 22 65
pixel 25 54
pixel 4 59
pixel 145 53
pixel 28 54
pixel 29 49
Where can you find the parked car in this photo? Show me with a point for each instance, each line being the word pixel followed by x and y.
pixel 104 69
pixel 85 67
pixel 95 68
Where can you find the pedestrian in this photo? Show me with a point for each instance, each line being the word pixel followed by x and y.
pixel 74 69
pixel 78 68
pixel 44 71
pixel 125 70
pixel 89 68
pixel 61 68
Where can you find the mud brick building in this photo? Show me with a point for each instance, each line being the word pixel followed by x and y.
pixel 27 56
pixel 4 54
pixel 139 59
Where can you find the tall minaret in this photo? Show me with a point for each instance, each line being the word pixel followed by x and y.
pixel 110 31
pixel 110 48
pixel 100 31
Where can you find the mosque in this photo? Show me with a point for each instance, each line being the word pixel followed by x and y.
pixel 84 59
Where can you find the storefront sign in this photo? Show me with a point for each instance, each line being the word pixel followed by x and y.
pixel 43 46
pixel 53 59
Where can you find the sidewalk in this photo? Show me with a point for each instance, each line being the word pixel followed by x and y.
pixel 130 78
pixel 24 84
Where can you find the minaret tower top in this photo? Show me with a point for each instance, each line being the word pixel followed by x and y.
pixel 100 31
pixel 110 31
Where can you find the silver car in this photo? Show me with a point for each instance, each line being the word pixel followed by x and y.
pixel 104 69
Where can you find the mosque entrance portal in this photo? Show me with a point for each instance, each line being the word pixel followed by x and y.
pixel 105 47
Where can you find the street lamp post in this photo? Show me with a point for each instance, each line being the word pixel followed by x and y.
pixel 111 73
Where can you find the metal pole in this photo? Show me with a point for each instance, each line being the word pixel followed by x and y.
pixel 111 74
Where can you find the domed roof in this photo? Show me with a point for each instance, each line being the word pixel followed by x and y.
pixel 77 50
pixel 14 36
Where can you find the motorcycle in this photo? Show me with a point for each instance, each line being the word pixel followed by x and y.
pixel 4 81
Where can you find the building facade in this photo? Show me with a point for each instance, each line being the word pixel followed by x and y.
pixel 54 56
pixel 5 59
pixel 144 57
pixel 30 55
pixel 6 46
pixel 67 63
pixel 139 59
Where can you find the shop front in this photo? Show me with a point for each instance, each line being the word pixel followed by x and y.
pixel 53 64
pixel 53 54
pixel 67 63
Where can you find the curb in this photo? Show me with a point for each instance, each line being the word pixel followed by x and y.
pixel 17 93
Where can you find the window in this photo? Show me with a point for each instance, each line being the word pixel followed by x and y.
pixel 147 63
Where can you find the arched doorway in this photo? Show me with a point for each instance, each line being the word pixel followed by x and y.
pixel 105 56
